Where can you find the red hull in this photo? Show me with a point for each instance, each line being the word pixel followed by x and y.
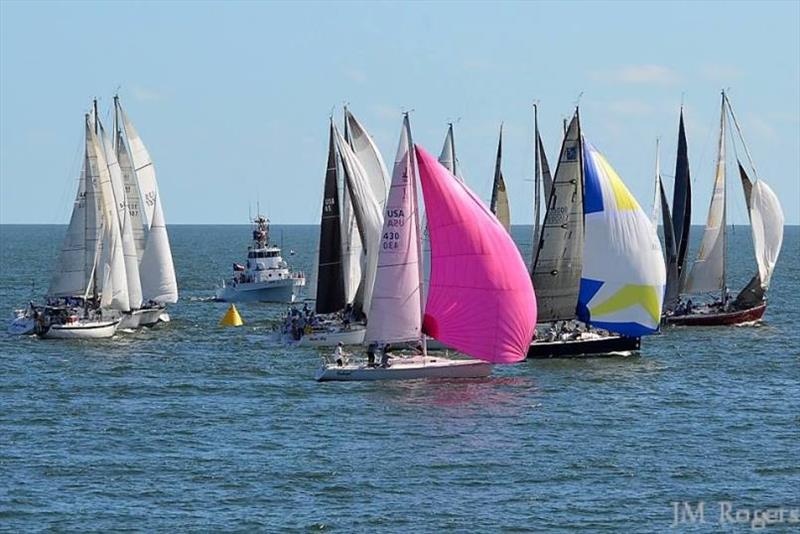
pixel 718 319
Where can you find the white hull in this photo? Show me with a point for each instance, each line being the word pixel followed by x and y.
pixel 82 330
pixel 139 318
pixel 353 336
pixel 284 291
pixel 406 369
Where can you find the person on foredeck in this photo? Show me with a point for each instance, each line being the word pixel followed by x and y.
pixel 387 355
pixel 339 354
pixel 371 354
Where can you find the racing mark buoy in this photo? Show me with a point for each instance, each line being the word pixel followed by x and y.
pixel 232 317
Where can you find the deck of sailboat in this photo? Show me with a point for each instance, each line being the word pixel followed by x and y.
pixel 408 368
pixel 725 318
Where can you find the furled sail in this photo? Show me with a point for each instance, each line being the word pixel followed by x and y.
pixel 125 223
pixel 708 270
pixel 111 266
pixel 623 279
pixel 396 311
pixel 557 271
pixel 72 276
pixel 481 301
pixel 368 216
pixel 682 202
pixel 499 202
pixel 330 276
pixel 369 156
pixel 767 221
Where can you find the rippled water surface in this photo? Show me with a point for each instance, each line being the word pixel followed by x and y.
pixel 193 426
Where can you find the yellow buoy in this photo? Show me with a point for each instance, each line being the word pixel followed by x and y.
pixel 232 317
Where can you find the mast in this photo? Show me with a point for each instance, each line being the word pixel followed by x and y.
pixel 96 120
pixel 497 178
pixel 656 197
pixel 537 171
pixel 415 207
pixel 724 201
pixel 452 148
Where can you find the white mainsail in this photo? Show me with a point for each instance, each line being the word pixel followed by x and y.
pixel 125 224
pixel 133 198
pixel 766 217
pixel 396 311
pixel 368 214
pixel 708 270
pixel 73 273
pixel 111 268
pixel 352 249
pixel 156 268
pixel 369 156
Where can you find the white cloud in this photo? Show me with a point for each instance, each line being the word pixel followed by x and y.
pixel 146 94
pixel 639 74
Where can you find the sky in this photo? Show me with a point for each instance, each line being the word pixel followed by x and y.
pixel 233 99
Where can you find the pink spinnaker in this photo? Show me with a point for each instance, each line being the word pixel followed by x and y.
pixel 481 299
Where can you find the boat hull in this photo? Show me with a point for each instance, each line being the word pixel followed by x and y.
pixel 353 336
pixel 143 317
pixel 284 291
pixel 21 326
pixel 584 348
pixel 749 315
pixel 82 330
pixel 414 369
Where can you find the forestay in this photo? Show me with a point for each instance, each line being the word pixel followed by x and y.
pixel 396 311
pixel 481 301
pixel 622 284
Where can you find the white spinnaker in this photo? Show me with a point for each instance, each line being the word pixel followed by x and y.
pixel 767 222
pixel 143 167
pixel 125 223
pixel 111 268
pixel 369 156
pixel 396 311
pixel 352 249
pixel 708 270
pixel 157 270
pixel 72 275
pixel 367 211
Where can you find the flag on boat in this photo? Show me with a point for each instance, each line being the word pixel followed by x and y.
pixel 623 277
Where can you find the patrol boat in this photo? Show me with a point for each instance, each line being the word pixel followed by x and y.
pixel 266 277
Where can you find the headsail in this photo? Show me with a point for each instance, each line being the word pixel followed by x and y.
pixel 330 276
pixel 499 202
pixel 557 271
pixel 368 217
pixel 448 155
pixel 481 301
pixel 622 284
pixel 369 156
pixel 541 180
pixel 396 311
pixel 72 276
pixel 708 270
pixel 767 222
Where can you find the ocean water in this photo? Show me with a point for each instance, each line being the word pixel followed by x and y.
pixel 190 426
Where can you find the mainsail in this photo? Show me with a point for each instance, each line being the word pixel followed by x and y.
pixel 156 268
pixel 481 301
pixel 541 177
pixel 708 270
pixel 623 278
pixel 73 273
pixel 672 291
pixel 557 270
pixel 369 156
pixel 368 216
pixel 682 202
pixel 330 276
pixel 499 202
pixel 448 155
pixel 396 311
pixel 133 199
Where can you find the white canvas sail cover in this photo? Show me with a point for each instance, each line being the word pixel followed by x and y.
pixel 396 311
pixel 708 270
pixel 72 276
pixel 111 268
pixel 767 220
pixel 125 223
pixel 369 156
pixel 367 211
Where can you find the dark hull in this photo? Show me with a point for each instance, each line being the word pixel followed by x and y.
pixel 718 319
pixel 583 347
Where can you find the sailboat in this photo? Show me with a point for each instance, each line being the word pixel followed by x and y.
pixel 499 202
pixel 708 272
pixel 357 230
pixel 567 263
pixel 481 300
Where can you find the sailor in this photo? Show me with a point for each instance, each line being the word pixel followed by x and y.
pixel 387 354
pixel 339 354
pixel 689 306
pixel 371 354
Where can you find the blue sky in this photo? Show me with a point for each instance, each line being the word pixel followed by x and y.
pixel 233 99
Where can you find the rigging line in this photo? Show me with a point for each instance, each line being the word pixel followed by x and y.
pixel 741 137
